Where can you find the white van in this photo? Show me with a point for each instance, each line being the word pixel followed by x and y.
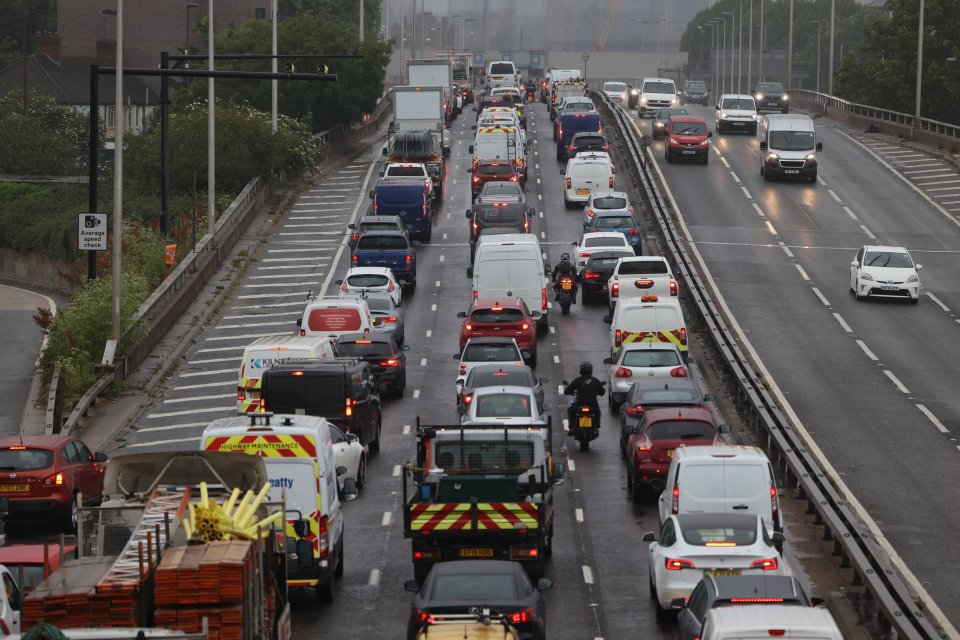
pixel 297 451
pixel 640 276
pixel 789 147
pixel 333 317
pixel 655 94
pixel 722 479
pixel 511 265
pixel 648 319
pixel 770 621
pixel 584 174
pixel 263 353
pixel 499 142
pixel 502 73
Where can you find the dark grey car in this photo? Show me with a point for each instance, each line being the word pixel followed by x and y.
pixel 495 375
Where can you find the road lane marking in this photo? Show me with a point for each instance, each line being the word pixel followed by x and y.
pixel 406 429
pixel 937 301
pixel 850 213
pixel 566 425
pixel 939 425
pixel 579 514
pixel 423 362
pixel 556 359
pixel 206 385
pixel 866 350
pixel 374 578
pixel 758 210
pixel 834 194
pixel 433 307
pixel 560 389
pixel 571 464
pixel 868 232
pixel 429 332
pixel 587 574
pixel 194 374
pixel 416 393
pixel 770 227
pixel 441 257
pixel 746 193
pixel 174 414
pixel 396 470
pixel 843 323
pixel 552 330
pixel 786 249
pixel 823 298
pixel 154 443
pixel 803 274
pixel 896 381
pixel 735 177
pixel 386 519
pixel 438 283
pixel 198 398
pixel 724 161
pixel 209 361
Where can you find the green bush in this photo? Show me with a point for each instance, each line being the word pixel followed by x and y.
pixel 43 139
pixel 41 219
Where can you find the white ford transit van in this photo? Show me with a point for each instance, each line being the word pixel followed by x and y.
pixel 511 265
pixel 789 147
pixel 648 319
pixel 263 353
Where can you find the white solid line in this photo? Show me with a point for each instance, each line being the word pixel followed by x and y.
pixel 416 393
pixel 866 350
pixel 566 425
pixel 173 427
pixel 274 285
pixel 198 398
pixel 823 299
pixel 803 274
pixel 251 325
pixel 928 184
pixel 277 276
pixel 217 349
pixel 280 267
pixel 406 429
pixel 895 381
pixel 304 261
pixel 556 359
pixel 289 294
pixel 161 442
pixel 188 412
pixel 396 470
pixel 429 332
pixel 843 323
pixel 571 465
pixel 352 218
pixel 423 362
pixel 195 374
pixel 438 283
pixel 578 513
pixel 724 160
pixel 758 209
pixel 386 519
pixel 868 232
pixel 208 361
pixel 937 301
pixel 374 578
pixel 939 425
pixel 247 336
pixel 587 574
pixel 770 227
pixel 850 213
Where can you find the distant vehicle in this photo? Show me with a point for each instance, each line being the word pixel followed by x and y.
pixel 736 113
pixel 596 272
pixel 789 147
pixel 730 623
pixel 390 314
pixel 648 393
pixel 616 91
pixel 587 141
pixel 263 353
pixel 374 223
pixel 694 92
pixel 687 138
pixel 498 191
pixel 656 93
pixel 657 360
pixel 600 241
pixel 619 222
pixel 658 125
pixel 583 174
pixel 569 124
pixel 639 276
pixel 885 272
pixel 486 350
pixel 771 96
pixel 605 200
pixel 492 375
pixel 508 318
pixel 371 280
pixel 491 171
pixel 388 249
pixel 504 406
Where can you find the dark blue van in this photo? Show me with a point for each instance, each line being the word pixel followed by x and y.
pixel 571 123
pixel 409 201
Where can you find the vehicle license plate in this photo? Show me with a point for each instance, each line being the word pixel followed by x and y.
pixel 583 192
pixel 774 103
pixel 567 286
pixel 476 553
pixel 689 152
pixel 15 487
pixel 791 170
pixel 255 395
pixel 738 124
pixel 586 422
pixel 889 287
pixel 722 572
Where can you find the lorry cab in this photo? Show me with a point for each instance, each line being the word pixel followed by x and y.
pixel 263 353
pixel 297 451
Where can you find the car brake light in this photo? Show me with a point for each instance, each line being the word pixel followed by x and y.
pixel 303 332
pixel 391 286
pixel 524 326
pixel 683 336
pixel 591 275
pixel 673 287
pixel 633 231
pixel 572 148
pixel 468 327
pixel 241 394
pixel 463 370
pixel 623 372
pixel 569 183
pixel 606 147
pixel 388 319
pixel 391 362
pixel 615 289
pixel 776 633
pixel 423 616
pixel 767 564
pixel 675 501
pixel 755 600
pixel 617 337
pixel 409 259
pixel 344 287
pixel 645 444
pixel 543 298
pixel 585 254
pixel 635 410
pixel 348 408
pixel 678 564
pixel 356 237
pixel 476 179
pixel 610 181
pixel 514 178
pixel 54 480
pixel 678 372
pixel 468 398
pixel 324 538
pixel 522 617
pixel 590 213
pixel 774 508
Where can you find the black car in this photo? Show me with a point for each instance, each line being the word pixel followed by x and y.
pixel 587 141
pixel 695 92
pixel 733 591
pixel 387 361
pixel 655 392
pixel 513 215
pixel 594 276
pixel 496 375
pixel 461 585
pixel 771 96
pixel 374 223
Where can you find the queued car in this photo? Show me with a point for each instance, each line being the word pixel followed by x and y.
pixel 650 393
pixel 616 91
pixel 509 318
pixel 658 125
pixel 598 241
pixel 618 222
pixel 687 138
pixel 349 454
pixel 489 171
pixel 45 474
pixel 486 350
pixel 513 216
pixel 694 92
pixel 504 406
pixel 26 562
pixel 459 586
pixel 636 360
pixel 656 436
pixel 573 104
pixel 639 276
pixel 388 362
pixel 736 112
pixel 596 272
pixel 736 591
pixel 602 200
pixel 500 191
pixel 587 142
pixel 881 271
pixel 389 314
pixel 374 223
pixel 495 375
pixel 371 280
pixel 771 96
pixel 691 546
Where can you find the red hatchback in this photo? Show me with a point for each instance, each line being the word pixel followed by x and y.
pixel 42 475
pixel 485 171
pixel 508 318
pixel 687 138
pixel 659 432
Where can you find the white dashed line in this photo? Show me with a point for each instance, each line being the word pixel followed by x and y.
pixel 560 389
pixel 396 470
pixel 746 193
pixel 543 235
pixel 578 513
pixel 374 578
pixel 896 381
pixel 423 362
pixel 724 161
pixel 868 232
pixel 850 213
pixel 541 211
pixel 834 194
pixel 566 425
pixel 206 373
pixel 406 429
pixel 866 350
pixel 803 274
pixel 441 257
pixel 735 177
pixel 556 359
pixel 206 385
pixel 823 298
pixel 218 396
pixel 571 464
pixel 552 329
pixel 444 236
pixel 937 301
pixel 786 249
pixel 770 227
pixel 843 323
pixel 587 574
pixel 438 283
pixel 416 393
pixel 433 307
pixel 758 209
pixel 429 332
pixel 939 425
pixel 387 516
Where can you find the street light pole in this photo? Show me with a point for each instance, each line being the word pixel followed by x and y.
pixel 211 132
pixel 740 52
pixel 273 68
pixel 818 53
pixel 733 31
pixel 919 66
pixel 750 49
pixel 833 9
pixel 361 21
pixel 760 47
pixel 723 59
pixel 119 122
pixel 790 49
pixel 189 5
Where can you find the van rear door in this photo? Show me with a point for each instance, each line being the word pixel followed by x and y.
pixel 747 489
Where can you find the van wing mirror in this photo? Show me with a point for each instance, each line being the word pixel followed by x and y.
pixel 301 528
pixel 778 536
pixel 607 361
pixel 341 470
pixel 299 322
pixel 305 558
pixel 763 145
pixel 469 212
pixel 373 194
pixel 819 146
pixel 607 319
pixel 559 473
pixel 349 492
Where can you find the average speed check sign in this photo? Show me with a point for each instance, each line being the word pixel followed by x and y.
pixel 93 232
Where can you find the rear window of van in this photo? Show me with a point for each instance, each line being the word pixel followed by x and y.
pixel 334 320
pixel 500 68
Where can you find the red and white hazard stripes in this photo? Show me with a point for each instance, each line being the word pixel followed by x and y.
pixel 459 516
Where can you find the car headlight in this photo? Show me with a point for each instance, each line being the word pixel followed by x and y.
pixel 785 97
pixel 772 157
pixel 634 92
pixel 642 99
pixel 811 157
pixel 658 125
pixel 759 96
pixel 753 116
pixel 722 115
pixel 673 141
pixel 673 101
pixel 913 278
pixel 866 276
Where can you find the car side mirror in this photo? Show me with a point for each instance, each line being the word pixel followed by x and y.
pixel 351 226
pixel 456 356
pixel 855 264
pixel 475 109
pixel 373 194
pixel 573 244
pixel 338 281
pixel 349 490
pixel 536 315
pixel 99 456
pixel 543 379
pixel 376 322
pixel 778 536
pixel 678 603
pixel 352 437
pixel 709 134
pixel 709 397
pixel 462 314
pixel 607 319
pixel 563 172
pixel 819 146
pixel 299 322
pixel 469 171
pixel 412 586
pixel 717 108
pixel 816 602
pixel 649 536
pixel 384 152
pixel 543 584
pixel 380 173
pixel 547 407
pixel 525 355
pixel 301 528
pixel 341 470
pixel 763 145
pixel 608 361
pixel 470 149
pixel 918 267
pixel 724 428
pixel 469 212
pixel 533 214
pixel 469 272
pixel 405 347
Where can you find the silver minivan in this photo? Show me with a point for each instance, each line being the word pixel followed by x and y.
pixel 789 147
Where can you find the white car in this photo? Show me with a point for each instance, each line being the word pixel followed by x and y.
pixel 641 360
pixel 616 91
pixel 606 201
pixel 691 546
pixel 885 271
pixel 736 112
pixel 369 280
pixel 640 276
pixel 504 406
pixel 599 241
pixel 406 170
pixel 349 453
pixel 485 351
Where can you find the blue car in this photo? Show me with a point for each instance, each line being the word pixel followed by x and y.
pixel 622 221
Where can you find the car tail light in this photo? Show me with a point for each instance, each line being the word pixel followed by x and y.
pixel 683 336
pixel 426 555
pixel 423 617
pixel 391 362
pixel 756 600
pixel 303 332
pixel 514 178
pixel 673 288
pixel 678 372
pixel 569 183
pixel 425 213
pixel 633 231
pixel 610 181
pixel 388 319
pixel 54 480
pixel 591 275
pixel 409 260
pixel 348 408
pixel 585 254
pixel 623 372
pixel 590 213
pixel 474 294
pixel 324 538
pixel 675 501
pixel 617 337
pixel 543 298
pixel 522 617
pixel 344 286
pixel 523 553
pixel 263 405
pixel 241 394
pixel 635 409
pixel 678 564
pixel 463 369
pixel 767 564
pixel 467 398
pixel 391 286
pixel 776 633
pixel 354 259
pixel 774 508
pixel 356 237
pixel 645 444
pixel 524 326
pixel 606 147
pixel 526 225
pixel 615 290
pixel 572 147
pixel 476 179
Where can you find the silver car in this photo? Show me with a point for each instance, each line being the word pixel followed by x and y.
pixel 505 406
pixel 641 360
pixel 390 314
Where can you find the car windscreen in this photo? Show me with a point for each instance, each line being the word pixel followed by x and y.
pixel 496 315
pixel 615 86
pixel 367 280
pixel 609 202
pixel 791 140
pixel 659 87
pixel 490 353
pixel 637 267
pixel 580 122
pixel 680 430
pixel 495 169
pixel 720 536
pixel 578 106
pixel 663 114
pixel 25 459
pixel 502 405
pixel 382 243
pixel 738 103
pixel 335 319
pixel 608 241
pixel 695 86
pixel 614 222
pixel 401 170
pixel 651 358
pixel 689 129
pixel 502 188
pixel 590 142
pixel 887 259
pixel 500 216
pixel 500 68
pixel 602 263
pixel 770 87
pixel 376 226
pixel 365 348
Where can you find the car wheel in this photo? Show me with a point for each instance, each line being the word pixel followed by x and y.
pixel 68 517
pixel 362 471
pixel 706 158
pixel 623 447
pixel 668 157
pixel 915 300
pixel 412 286
pixel 326 591
pixel 753 131
pixel 375 443
pixel 653 588
pixel 339 570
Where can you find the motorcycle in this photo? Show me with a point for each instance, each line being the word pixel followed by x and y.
pixel 583 423
pixel 566 294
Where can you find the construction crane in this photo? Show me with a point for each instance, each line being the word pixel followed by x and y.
pixel 613 9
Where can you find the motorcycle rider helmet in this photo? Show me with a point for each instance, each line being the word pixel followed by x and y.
pixel 565 257
pixel 586 369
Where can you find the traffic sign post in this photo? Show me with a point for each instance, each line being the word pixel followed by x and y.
pixel 92 233
pixel 585 57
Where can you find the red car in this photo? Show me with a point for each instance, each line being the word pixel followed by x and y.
pixel 26 562
pixel 485 171
pixel 659 432
pixel 508 318
pixel 687 138
pixel 42 475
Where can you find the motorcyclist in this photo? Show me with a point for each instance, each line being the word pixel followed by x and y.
pixel 564 268
pixel 530 87
pixel 585 389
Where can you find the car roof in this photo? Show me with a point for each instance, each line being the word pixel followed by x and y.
pixel 888 248
pixel 688 119
pixel 385 232
pixel 736 95
pixel 609 254
pixel 649 346
pixel 602 234
pixel 610 213
pixel 490 340
pixel 743 451
pixel 495 390
pixel 380 219
pixel 693 414
pixel 455 567
pixel 756 586
pixel 648 383
pixel 38 441
pixel 716 519
pixel 609 194
pixel 352 271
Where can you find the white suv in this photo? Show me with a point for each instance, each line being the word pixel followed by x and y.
pixel 655 94
pixel 736 112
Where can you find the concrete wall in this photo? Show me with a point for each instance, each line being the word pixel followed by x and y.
pixel 35 269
